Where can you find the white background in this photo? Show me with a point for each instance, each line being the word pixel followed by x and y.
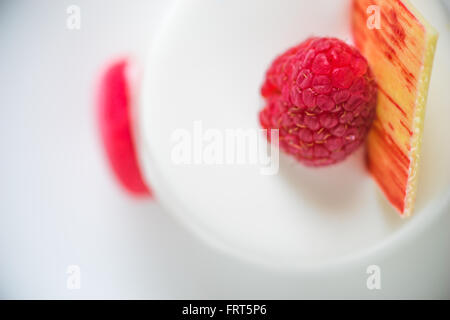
pixel 60 205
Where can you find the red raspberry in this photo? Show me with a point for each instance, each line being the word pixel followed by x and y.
pixel 114 104
pixel 321 95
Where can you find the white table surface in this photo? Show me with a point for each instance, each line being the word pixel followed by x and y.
pixel 60 205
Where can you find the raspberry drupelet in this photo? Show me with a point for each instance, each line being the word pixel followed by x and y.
pixel 321 95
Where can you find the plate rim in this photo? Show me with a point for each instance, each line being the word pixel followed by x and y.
pixel 180 213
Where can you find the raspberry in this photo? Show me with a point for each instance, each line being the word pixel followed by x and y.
pixel 321 96
pixel 114 105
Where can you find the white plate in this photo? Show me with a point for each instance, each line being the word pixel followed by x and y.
pixel 208 64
